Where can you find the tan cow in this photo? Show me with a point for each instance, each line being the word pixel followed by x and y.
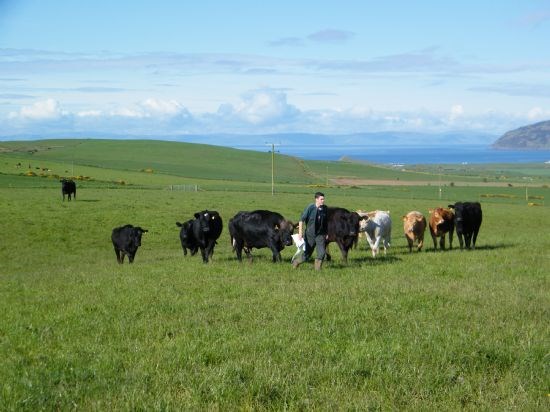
pixel 441 221
pixel 414 225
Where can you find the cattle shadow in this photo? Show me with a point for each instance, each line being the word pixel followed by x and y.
pixel 87 200
pixel 362 261
pixel 478 248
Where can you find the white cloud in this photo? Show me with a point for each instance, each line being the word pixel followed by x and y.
pixel 259 111
pixel 162 107
pixel 261 106
pixel 43 110
pixel 456 111
pixel 90 113
pixel 537 114
pixel 126 112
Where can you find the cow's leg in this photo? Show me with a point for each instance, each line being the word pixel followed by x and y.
pixel 204 254
pixel 239 250
pixel 386 246
pixel 474 238
pixel 276 255
pixel 451 238
pixel 376 246
pixel 371 242
pixel 442 242
pixel 328 257
pixel 117 253
pixel 248 254
pixel 131 256
pixel 184 250
pixel 467 239
pixel 434 238
pixel 420 243
pixel 410 242
pixel 344 252
pixel 210 249
pixel 460 241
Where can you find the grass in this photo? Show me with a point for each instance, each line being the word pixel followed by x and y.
pixel 422 331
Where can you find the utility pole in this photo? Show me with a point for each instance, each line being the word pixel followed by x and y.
pixel 272 167
pixel 439 182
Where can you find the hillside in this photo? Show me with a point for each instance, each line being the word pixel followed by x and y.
pixel 535 136
pixel 189 160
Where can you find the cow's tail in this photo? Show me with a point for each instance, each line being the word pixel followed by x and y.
pixel 233 243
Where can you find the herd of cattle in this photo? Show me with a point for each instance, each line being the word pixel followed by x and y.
pixel 267 229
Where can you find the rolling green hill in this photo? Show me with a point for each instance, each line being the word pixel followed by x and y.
pixel 161 163
pixel 188 160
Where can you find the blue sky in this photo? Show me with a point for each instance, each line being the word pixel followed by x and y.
pixel 161 68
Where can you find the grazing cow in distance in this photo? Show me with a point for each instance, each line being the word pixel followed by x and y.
pixel 468 218
pixel 203 232
pixel 126 240
pixel 259 229
pixel 186 237
pixel 68 187
pixel 342 228
pixel 441 222
pixel 414 225
pixel 377 226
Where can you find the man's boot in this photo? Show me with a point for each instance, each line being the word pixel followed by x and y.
pixel 318 264
pixel 297 262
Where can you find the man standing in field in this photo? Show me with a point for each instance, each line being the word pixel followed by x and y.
pixel 316 219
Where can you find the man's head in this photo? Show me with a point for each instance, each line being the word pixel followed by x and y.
pixel 319 199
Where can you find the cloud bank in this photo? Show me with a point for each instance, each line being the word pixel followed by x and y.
pixel 258 111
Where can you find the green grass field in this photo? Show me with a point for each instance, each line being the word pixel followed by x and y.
pixel 422 331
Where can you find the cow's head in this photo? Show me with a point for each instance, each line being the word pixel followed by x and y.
pixel 205 218
pixel 364 218
pixel 136 235
pixel 440 216
pixel 185 231
pixel 351 223
pixel 458 209
pixel 285 230
pixel 411 220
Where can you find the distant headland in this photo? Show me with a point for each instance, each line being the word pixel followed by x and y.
pixel 535 136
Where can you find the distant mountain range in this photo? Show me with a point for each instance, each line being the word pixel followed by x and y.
pixel 535 136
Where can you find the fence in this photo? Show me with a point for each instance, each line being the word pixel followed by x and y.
pixel 185 188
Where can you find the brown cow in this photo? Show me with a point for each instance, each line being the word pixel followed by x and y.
pixel 441 222
pixel 414 225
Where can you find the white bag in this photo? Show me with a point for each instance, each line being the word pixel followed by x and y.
pixel 300 246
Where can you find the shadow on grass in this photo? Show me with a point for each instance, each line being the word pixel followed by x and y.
pixel 87 200
pixel 354 261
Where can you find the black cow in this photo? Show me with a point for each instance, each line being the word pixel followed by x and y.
pixel 186 237
pixel 467 218
pixel 202 233
pixel 259 229
pixel 343 228
pixel 126 240
pixel 68 187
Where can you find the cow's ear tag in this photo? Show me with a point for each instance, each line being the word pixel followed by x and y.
pixel 276 227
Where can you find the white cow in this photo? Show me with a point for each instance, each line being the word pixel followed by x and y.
pixel 377 227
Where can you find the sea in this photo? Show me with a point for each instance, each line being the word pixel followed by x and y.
pixel 402 155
